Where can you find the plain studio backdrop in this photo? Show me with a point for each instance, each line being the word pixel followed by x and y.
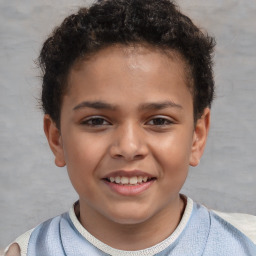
pixel 32 189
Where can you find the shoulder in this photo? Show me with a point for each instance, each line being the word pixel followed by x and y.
pixel 245 223
pixel 23 241
pixel 20 245
pixel 228 234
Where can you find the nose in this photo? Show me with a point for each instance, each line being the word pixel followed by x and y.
pixel 129 143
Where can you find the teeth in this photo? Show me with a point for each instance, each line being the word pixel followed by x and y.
pixel 140 178
pixel 125 180
pixel 145 179
pixel 117 179
pixel 131 181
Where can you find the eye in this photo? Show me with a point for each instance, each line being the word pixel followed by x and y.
pixel 95 121
pixel 160 121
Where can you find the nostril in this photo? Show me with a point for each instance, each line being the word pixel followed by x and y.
pixel 138 156
pixel 118 156
pixel 128 151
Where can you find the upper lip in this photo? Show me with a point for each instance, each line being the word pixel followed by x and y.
pixel 128 173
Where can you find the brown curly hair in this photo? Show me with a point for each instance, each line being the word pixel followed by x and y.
pixel 158 23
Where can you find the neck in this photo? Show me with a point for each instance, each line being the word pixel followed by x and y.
pixel 132 236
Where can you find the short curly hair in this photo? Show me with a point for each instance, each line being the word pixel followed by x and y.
pixel 108 22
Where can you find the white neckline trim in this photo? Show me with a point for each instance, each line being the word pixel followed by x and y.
pixel 148 251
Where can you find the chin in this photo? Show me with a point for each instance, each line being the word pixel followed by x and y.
pixel 130 221
pixel 130 217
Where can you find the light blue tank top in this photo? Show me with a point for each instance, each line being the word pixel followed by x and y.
pixel 204 233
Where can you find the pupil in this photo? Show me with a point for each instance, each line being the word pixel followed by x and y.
pixel 97 121
pixel 159 121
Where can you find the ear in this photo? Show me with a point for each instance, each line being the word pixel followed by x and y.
pixel 54 139
pixel 200 137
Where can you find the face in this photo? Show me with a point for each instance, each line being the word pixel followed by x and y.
pixel 127 133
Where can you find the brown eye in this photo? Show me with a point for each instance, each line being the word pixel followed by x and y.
pixel 95 121
pixel 159 121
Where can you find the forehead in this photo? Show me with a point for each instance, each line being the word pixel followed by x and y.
pixel 135 69
pixel 131 52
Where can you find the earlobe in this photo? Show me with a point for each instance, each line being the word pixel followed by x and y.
pixel 200 137
pixel 54 139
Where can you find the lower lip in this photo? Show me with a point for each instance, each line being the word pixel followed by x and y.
pixel 129 190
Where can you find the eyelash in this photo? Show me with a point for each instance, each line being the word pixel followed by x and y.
pixel 90 121
pixel 98 121
pixel 164 121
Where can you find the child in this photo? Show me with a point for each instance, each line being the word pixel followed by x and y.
pixel 127 91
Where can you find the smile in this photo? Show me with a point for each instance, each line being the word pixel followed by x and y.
pixel 129 183
pixel 135 180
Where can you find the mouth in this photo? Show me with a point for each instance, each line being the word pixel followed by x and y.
pixel 129 183
pixel 132 181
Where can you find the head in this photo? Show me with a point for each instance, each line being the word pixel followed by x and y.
pixel 127 88
pixel 156 23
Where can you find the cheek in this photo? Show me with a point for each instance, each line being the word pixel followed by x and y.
pixel 83 156
pixel 173 154
pixel 82 151
pixel 174 149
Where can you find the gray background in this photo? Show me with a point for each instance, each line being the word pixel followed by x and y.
pixel 32 189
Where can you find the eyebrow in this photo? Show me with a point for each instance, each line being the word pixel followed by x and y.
pixel 95 105
pixel 145 106
pixel 160 105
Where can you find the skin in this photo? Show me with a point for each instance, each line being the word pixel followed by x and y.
pixel 146 123
pixel 14 250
